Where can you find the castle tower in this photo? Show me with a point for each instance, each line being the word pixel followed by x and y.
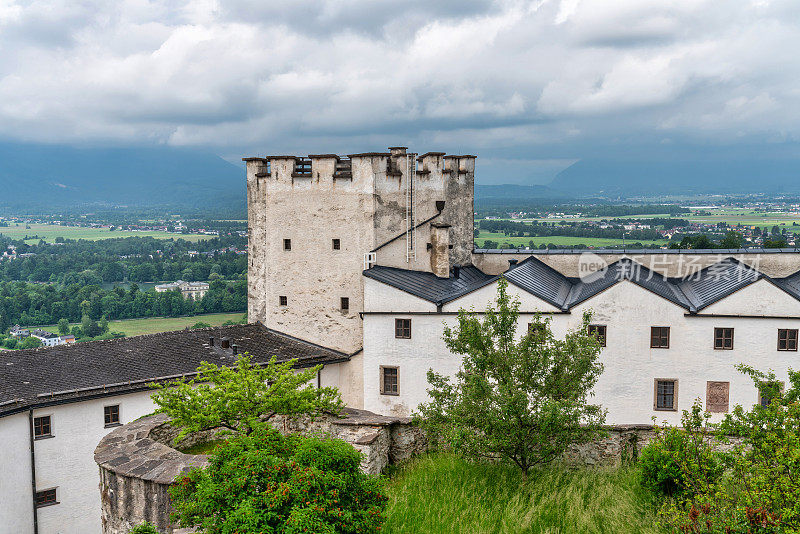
pixel 316 222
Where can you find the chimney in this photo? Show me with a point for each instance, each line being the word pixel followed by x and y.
pixel 440 250
pixel 225 343
pixel 398 150
pixel 211 341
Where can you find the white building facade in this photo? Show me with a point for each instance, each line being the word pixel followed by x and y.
pixel 650 342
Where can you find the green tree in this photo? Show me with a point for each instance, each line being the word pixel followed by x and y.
pixel 29 343
pixel 63 326
pixel 267 482
pixel 519 399
pixel 732 240
pixel 238 398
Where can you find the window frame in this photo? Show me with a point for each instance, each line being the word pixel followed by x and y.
pixel 118 422
pixel 674 407
pixel 46 502
pixel 344 304
pixel 287 244
pixel 594 329
pixel 383 369
pixel 759 395
pixel 653 337
pixel 283 301
pixel 336 243
pixel 787 331
pixel 50 433
pixel 400 331
pixel 722 329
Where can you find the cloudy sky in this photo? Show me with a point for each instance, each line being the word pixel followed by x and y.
pixel 530 87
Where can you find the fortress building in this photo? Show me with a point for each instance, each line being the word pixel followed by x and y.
pixel 356 263
pixel 371 254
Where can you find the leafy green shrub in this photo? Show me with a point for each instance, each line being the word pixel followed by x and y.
pixel 658 468
pixel 201 324
pixel 759 489
pixel 144 528
pixel 267 482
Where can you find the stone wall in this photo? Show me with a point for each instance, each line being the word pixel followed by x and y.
pixel 136 471
pixel 137 464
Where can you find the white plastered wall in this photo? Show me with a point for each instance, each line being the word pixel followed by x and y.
pixel 626 388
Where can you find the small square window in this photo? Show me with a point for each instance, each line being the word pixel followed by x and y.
pixel 345 303
pixel 666 393
pixel 402 328
pixel 599 331
pixel 787 339
pixel 337 244
pixel 389 381
pixel 659 337
pixel 46 497
pixel 111 415
pixel 723 338
pixel 42 427
pixel 283 300
pixel 287 244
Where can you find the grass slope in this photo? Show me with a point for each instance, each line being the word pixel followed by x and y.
pixel 153 325
pixel 445 494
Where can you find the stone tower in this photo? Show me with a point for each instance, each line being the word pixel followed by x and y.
pixel 316 222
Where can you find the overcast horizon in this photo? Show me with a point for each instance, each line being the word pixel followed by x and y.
pixel 530 87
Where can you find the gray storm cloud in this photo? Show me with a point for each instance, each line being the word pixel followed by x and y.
pixel 543 80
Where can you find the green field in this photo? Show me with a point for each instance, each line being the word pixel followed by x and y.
pixel 748 217
pixel 153 325
pixel 443 494
pixel 731 216
pixel 556 240
pixel 49 232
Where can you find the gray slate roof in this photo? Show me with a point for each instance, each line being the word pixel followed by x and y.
pixel 98 368
pixel 428 286
pixel 693 293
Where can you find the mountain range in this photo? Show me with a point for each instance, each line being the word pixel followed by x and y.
pixel 38 176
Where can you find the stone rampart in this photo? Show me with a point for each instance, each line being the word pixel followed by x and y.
pixel 138 465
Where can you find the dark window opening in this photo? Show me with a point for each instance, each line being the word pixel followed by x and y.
pixel 537 329
pixel 389 382
pixel 723 338
pixel 402 328
pixel 283 300
pixel 768 392
pixel 46 497
pixel 42 427
pixel 598 331
pixel 337 244
pixel 659 337
pixel 111 415
pixel 787 339
pixel 345 303
pixel 287 244
pixel 665 394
